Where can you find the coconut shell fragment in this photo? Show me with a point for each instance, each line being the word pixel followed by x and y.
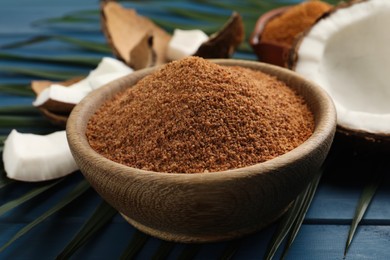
pixel 125 31
pixel 143 55
pixel 38 86
pixel 337 54
pixel 277 30
pixel 57 112
pixel 223 43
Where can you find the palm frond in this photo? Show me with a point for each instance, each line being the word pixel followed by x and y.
pixel 77 191
pixel 41 73
pixel 102 216
pixel 68 19
pixel 4 181
pixel 292 220
pixel 197 15
pixel 251 8
pixel 136 244
pixel 24 121
pixel 163 250
pixel 19 110
pixel 67 60
pixel 361 208
pixel 84 44
pixel 189 252
pixel 230 249
pixel 16 89
pixel 26 197
pixel 302 212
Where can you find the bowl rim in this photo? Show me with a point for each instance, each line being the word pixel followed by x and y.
pixel 325 126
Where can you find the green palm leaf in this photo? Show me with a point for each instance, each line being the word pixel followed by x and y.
pixel 292 221
pixel 189 252
pixel 23 121
pixel 16 89
pixel 4 181
pixel 19 110
pixel 309 195
pixel 361 208
pixel 137 242
pixel 102 216
pixel 163 250
pixel 230 249
pixel 77 191
pixel 26 197
pixel 196 15
pixel 71 60
pixel 41 73
pixel 69 19
pixel 87 45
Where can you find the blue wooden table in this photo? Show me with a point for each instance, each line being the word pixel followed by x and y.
pixel 325 228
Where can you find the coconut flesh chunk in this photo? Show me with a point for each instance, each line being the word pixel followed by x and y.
pixel 110 68
pixel 348 54
pixel 185 43
pixel 30 157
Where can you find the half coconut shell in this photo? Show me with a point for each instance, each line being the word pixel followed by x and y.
pixel 346 52
pixel 276 30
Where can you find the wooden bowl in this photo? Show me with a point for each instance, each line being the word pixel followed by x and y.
pixel 211 206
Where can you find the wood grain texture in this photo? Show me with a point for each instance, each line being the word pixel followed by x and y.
pixel 209 206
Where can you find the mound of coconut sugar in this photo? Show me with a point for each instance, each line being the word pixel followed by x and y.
pixel 194 116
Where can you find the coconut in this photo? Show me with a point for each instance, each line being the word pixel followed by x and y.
pixel 346 52
pixel 57 99
pixel 276 30
pixel 32 158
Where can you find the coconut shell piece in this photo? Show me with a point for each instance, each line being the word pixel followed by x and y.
pixel 269 51
pixel 276 30
pixel 57 112
pixel 56 119
pixel 126 31
pixel 359 139
pixel 223 43
pixel 143 55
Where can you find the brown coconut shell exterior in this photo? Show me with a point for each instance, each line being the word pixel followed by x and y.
pixel 269 52
pixel 276 49
pixel 57 112
pixel 125 30
pixel 223 43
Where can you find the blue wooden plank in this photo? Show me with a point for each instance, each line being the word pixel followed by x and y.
pixel 327 242
pixel 17 16
pixel 313 242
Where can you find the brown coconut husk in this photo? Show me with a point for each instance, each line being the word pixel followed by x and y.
pixel 57 112
pixel 223 43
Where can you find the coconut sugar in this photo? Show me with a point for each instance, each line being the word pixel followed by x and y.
pixel 284 28
pixel 194 116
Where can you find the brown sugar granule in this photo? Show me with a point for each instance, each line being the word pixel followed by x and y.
pixel 284 28
pixel 196 116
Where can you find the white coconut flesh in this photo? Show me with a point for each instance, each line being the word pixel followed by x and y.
pixel 107 70
pixel 185 43
pixel 31 157
pixel 348 54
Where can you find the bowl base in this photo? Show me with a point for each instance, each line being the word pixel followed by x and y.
pixel 204 238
